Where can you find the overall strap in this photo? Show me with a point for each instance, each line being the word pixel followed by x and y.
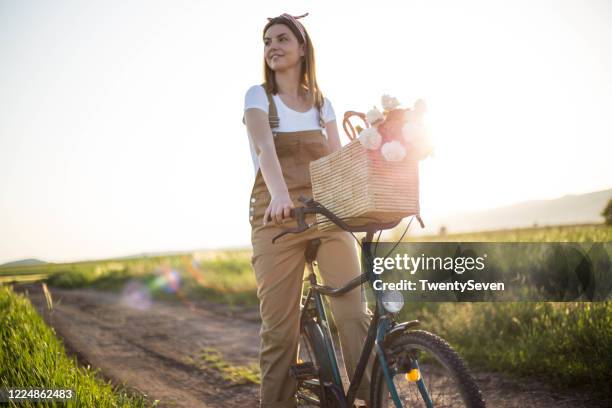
pixel 273 117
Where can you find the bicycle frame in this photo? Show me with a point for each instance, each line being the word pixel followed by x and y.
pixel 382 326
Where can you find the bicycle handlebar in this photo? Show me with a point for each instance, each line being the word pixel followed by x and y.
pixel 313 207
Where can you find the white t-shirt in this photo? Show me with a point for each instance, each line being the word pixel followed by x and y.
pixel 290 120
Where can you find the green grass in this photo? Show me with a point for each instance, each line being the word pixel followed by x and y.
pixel 221 276
pixel 567 344
pixel 236 374
pixel 32 356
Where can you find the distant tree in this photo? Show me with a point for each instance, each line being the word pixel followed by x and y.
pixel 442 231
pixel 607 213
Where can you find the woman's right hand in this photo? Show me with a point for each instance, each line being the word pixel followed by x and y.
pixel 279 208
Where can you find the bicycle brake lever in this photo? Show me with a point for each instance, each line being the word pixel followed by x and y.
pixel 297 229
pixel 301 227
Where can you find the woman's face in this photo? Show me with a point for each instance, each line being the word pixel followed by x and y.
pixel 281 48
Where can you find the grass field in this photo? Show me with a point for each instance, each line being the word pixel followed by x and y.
pixel 567 344
pixel 569 233
pixel 32 356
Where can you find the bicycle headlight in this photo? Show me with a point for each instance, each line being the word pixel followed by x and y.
pixel 392 300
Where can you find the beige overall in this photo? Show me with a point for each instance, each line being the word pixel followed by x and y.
pixel 279 270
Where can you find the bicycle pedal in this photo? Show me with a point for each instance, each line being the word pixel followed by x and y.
pixel 303 371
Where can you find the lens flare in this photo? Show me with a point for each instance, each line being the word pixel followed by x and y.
pixel 168 280
pixel 139 295
pixel 136 295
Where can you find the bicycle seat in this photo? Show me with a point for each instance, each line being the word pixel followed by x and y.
pixel 311 250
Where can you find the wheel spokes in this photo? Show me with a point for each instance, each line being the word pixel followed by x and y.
pixel 305 354
pixel 440 384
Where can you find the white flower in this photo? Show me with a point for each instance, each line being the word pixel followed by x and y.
pixel 389 102
pixel 370 138
pixel 374 115
pixel 393 151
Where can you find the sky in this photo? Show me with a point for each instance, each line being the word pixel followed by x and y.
pixel 120 121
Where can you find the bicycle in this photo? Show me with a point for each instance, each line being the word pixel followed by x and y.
pixel 413 367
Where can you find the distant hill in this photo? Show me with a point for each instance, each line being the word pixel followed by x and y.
pixel 569 209
pixel 23 262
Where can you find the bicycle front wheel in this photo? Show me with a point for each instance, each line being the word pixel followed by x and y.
pixel 441 375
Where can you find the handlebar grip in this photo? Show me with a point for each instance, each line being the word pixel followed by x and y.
pixel 292 214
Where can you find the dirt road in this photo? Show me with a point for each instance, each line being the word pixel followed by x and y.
pixel 156 349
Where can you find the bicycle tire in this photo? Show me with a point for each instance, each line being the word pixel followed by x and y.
pixel 315 351
pixel 446 358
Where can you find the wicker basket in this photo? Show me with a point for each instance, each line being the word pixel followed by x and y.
pixel 360 186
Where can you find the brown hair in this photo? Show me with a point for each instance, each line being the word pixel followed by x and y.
pixel 308 78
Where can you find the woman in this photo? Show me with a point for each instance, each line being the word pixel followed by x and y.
pixel 290 123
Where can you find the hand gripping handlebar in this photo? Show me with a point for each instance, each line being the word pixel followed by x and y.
pixel 313 207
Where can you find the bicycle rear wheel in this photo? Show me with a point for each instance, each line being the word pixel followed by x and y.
pixel 312 349
pixel 445 376
pixel 308 391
